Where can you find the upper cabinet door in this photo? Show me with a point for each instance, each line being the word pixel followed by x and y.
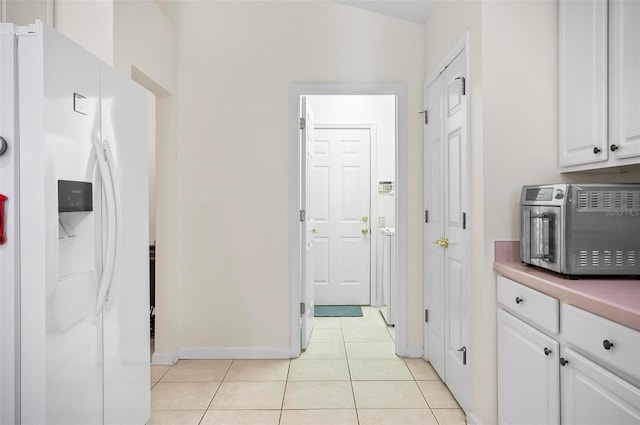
pixel 583 82
pixel 624 110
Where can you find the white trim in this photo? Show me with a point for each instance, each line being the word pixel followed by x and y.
pixel 462 45
pixel 415 352
pixel 400 302
pixel 233 353
pixel 472 419
pixel 373 201
pixel 164 359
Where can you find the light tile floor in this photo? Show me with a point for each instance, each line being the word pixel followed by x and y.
pixel 349 375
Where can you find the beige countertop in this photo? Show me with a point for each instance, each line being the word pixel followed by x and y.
pixel 615 299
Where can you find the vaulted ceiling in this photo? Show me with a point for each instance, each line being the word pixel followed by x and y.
pixel 412 10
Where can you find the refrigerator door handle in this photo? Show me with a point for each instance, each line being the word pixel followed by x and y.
pixel 113 173
pixel 107 267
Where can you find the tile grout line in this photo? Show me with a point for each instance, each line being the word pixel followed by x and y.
pixel 286 385
pixel 353 393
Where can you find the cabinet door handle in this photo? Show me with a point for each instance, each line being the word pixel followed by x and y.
pixel 546 351
pixel 596 150
pixel 519 300
pixel 607 344
pixel 3 146
pixel 563 361
pixel 613 148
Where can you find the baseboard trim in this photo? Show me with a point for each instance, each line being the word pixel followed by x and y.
pixel 164 359
pixel 473 419
pixel 414 351
pixel 234 352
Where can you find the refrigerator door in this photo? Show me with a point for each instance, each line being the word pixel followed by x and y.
pixel 126 314
pixel 9 251
pixel 61 255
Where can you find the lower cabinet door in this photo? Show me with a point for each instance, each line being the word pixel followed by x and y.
pixel 592 395
pixel 528 374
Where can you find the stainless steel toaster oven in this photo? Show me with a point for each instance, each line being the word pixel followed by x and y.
pixel 581 229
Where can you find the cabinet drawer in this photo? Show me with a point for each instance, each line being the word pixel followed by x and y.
pixel 612 343
pixel 537 308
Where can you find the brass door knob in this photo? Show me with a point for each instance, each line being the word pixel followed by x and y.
pixel 365 231
pixel 442 242
pixel 314 230
pixel 365 219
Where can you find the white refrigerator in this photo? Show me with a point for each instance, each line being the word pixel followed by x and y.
pixel 74 267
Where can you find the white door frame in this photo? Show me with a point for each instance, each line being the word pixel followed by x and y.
pixel 373 197
pixel 400 300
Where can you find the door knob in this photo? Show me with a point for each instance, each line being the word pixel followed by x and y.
pixel 365 231
pixel 365 219
pixel 442 242
pixel 314 230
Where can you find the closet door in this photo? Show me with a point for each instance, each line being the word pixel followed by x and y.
pixel 446 234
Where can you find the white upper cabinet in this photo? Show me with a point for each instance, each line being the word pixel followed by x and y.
pixel 583 82
pixel 599 83
pixel 624 108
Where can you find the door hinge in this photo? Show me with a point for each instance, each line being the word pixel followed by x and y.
pixel 426 116
pixel 303 309
pixel 426 216
pixel 303 215
pixel 426 316
pixel 464 355
pixel 303 123
pixel 464 84
pixel 464 220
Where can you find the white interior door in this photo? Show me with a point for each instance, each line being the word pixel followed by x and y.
pixel 447 258
pixel 306 146
pixel 434 215
pixel 340 204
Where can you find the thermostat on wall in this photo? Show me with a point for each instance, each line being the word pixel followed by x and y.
pixel 385 186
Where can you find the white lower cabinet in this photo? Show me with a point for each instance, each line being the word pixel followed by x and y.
pixel 588 373
pixel 592 395
pixel 528 374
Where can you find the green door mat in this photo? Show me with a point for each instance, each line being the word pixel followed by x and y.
pixel 337 311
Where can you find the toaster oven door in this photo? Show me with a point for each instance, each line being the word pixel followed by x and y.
pixel 541 237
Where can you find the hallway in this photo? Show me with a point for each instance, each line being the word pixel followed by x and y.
pixel 349 375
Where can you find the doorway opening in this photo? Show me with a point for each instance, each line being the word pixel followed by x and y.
pixel 348 147
pixel 351 179
pixel 158 105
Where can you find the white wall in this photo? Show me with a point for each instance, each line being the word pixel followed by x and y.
pixel 24 12
pixel 379 110
pixel 237 60
pixel 145 47
pixel 89 23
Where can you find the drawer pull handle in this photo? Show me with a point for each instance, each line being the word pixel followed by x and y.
pixel 546 351
pixel 607 344
pixel 563 361
pixel 519 300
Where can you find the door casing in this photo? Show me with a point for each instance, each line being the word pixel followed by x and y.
pixel 297 90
